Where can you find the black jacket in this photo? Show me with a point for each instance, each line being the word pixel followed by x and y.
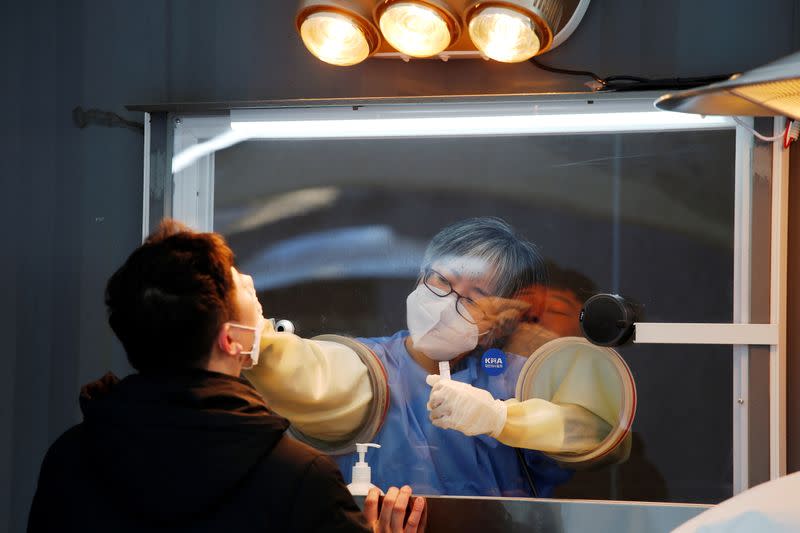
pixel 198 451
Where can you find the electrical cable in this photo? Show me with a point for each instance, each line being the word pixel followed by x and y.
pixel 524 465
pixel 764 138
pixel 625 78
pixel 622 83
pixel 663 83
pixel 590 74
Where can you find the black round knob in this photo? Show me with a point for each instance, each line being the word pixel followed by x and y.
pixel 607 320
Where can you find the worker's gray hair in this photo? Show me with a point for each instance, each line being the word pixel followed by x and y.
pixel 516 263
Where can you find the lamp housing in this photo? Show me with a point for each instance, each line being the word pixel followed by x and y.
pixel 770 90
pixel 503 30
pixel 339 32
pixel 512 31
pixel 418 28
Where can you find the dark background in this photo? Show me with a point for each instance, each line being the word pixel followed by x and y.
pixel 72 199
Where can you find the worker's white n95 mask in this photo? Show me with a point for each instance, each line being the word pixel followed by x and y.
pixel 255 350
pixel 436 328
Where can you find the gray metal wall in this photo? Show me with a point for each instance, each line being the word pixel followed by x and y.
pixel 70 199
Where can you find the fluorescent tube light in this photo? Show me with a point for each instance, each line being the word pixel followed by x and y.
pixel 444 120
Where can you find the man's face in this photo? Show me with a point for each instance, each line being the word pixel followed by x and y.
pixel 562 313
pixel 246 304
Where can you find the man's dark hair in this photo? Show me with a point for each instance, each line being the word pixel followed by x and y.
pixel 169 299
pixel 570 280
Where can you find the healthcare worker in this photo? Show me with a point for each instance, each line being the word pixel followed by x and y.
pixel 462 306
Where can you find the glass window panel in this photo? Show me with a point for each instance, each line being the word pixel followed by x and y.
pixel 334 233
pixel 681 449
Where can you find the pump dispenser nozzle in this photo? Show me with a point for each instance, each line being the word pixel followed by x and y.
pixel 362 473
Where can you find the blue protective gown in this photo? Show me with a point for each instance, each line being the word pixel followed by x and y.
pixel 443 461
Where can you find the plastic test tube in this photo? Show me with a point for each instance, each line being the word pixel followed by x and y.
pixel 444 369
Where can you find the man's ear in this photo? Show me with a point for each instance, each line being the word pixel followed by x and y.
pixel 541 303
pixel 536 296
pixel 226 342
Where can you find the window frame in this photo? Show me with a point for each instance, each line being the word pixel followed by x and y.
pixel 188 195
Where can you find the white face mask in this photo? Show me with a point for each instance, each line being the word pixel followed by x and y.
pixel 436 328
pixel 255 350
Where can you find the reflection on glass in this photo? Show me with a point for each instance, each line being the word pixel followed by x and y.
pixel 345 252
pixel 437 427
pixel 567 290
pixel 554 310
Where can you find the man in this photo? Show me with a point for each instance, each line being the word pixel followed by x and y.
pixel 566 294
pixel 554 311
pixel 186 444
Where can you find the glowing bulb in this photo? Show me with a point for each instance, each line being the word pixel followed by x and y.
pixel 414 29
pixel 334 38
pixel 504 34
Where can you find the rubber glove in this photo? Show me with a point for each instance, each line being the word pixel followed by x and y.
pixel 459 406
pixel 534 424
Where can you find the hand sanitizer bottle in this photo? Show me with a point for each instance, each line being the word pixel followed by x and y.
pixel 362 473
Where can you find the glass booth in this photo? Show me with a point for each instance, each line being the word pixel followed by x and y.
pixel 331 206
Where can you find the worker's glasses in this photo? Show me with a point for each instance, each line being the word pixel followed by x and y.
pixel 465 306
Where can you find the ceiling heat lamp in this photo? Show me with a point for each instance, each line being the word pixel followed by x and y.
pixel 771 90
pixel 338 32
pixel 512 32
pixel 418 29
pixel 345 32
